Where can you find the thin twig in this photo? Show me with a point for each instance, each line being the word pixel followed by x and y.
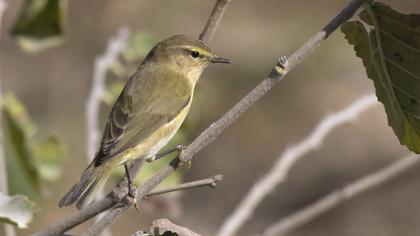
pixel 287 159
pixel 211 182
pixel 339 196
pixel 161 226
pixel 215 129
pixel 9 229
pixel 214 20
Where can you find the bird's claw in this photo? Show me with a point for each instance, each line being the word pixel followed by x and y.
pixel 132 197
pixel 186 162
pixel 281 65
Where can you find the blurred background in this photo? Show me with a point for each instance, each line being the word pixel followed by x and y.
pixel 54 84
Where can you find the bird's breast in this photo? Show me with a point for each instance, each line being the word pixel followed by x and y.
pixel 151 145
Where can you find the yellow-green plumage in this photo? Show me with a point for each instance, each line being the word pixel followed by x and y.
pixel 149 111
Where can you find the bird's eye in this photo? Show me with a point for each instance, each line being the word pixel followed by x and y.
pixel 195 54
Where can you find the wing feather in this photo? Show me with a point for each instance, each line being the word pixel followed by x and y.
pixel 134 118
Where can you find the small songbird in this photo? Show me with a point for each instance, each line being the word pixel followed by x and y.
pixel 148 112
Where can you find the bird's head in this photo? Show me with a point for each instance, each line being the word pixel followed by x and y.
pixel 185 55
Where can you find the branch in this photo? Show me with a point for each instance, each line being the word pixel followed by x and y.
pixel 287 159
pixel 214 20
pixel 164 225
pixel 94 208
pixel 339 196
pixel 195 184
pixel 215 129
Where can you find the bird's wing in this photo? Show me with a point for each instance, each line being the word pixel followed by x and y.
pixel 134 118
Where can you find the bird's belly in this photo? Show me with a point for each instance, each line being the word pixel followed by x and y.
pixel 151 145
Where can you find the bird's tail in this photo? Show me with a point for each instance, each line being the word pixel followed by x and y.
pixel 93 178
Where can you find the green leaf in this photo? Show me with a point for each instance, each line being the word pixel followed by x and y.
pixel 40 24
pixel 389 46
pixel 28 161
pixel 20 129
pixel 49 155
pixel 17 210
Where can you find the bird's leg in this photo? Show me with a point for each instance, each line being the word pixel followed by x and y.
pixel 129 180
pixel 131 190
pixel 177 148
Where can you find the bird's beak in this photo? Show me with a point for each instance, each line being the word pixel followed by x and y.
pixel 217 59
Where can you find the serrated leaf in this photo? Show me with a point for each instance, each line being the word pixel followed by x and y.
pixel 390 49
pixel 40 24
pixel 17 210
pixel 49 155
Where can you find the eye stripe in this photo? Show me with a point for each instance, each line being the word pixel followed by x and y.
pixel 203 53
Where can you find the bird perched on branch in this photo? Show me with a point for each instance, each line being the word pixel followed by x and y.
pixel 148 112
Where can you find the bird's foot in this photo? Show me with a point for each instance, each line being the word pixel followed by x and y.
pixel 186 162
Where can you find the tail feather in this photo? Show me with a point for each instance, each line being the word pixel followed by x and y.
pixel 83 191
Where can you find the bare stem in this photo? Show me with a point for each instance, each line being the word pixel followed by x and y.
pixel 214 20
pixel 287 159
pixel 211 182
pixel 339 196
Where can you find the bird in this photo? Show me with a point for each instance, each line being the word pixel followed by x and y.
pixel 149 111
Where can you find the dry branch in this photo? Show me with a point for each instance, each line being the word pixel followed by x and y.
pixel 214 20
pixel 287 159
pixel 339 196
pixel 211 182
